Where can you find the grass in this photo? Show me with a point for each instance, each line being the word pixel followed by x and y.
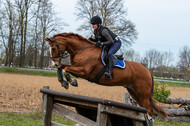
pixel 27 72
pixel 29 119
pixel 171 123
pixel 35 119
pixel 172 84
pixel 168 79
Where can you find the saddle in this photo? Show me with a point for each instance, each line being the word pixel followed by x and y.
pixel 118 62
pixel 118 59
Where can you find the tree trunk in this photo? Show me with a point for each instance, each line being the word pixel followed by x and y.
pixel 21 40
pixel 42 50
pixel 25 29
pixel 36 36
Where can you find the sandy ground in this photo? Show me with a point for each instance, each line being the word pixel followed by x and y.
pixel 22 92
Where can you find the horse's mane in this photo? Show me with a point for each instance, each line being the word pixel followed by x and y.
pixel 72 34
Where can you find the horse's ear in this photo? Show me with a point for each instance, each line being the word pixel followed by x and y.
pixel 49 40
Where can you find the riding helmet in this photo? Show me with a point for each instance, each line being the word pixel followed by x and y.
pixel 96 20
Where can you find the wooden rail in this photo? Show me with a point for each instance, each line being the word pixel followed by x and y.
pixel 180 113
pixel 90 111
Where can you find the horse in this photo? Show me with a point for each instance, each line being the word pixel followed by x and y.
pixel 85 63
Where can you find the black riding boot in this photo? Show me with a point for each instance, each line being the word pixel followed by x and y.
pixel 108 73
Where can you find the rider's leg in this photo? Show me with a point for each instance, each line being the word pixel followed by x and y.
pixel 113 49
pixel 108 73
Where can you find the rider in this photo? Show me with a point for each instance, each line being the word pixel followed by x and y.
pixel 105 37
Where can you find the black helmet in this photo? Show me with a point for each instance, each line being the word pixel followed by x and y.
pixel 96 20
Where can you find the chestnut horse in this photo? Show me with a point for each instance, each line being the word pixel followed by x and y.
pixel 86 63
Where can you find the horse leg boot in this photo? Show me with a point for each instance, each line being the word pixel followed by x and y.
pixel 108 73
pixel 71 81
pixel 60 79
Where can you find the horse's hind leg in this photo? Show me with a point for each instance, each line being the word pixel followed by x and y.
pixel 141 95
pixel 138 100
pixel 131 92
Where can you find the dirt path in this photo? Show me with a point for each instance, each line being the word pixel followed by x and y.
pixel 21 92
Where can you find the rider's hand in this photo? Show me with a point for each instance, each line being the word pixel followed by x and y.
pixel 91 39
pixel 98 44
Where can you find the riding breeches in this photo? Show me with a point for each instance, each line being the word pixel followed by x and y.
pixel 114 47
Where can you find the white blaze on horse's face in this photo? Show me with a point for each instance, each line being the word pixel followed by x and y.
pixel 52 63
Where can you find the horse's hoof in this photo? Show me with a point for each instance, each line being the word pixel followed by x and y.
pixel 74 83
pixel 65 84
pixel 150 121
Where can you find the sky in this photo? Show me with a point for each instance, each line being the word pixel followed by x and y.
pixel 163 25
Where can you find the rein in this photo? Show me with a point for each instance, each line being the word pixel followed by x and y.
pixel 62 54
pixel 81 50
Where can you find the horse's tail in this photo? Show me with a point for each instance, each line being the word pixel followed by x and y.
pixel 158 109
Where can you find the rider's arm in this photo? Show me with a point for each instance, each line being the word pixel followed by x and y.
pixel 106 34
pixel 93 39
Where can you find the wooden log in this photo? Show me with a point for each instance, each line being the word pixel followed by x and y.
pixel 57 124
pixel 173 111
pixel 179 118
pixel 137 123
pixel 47 110
pixel 127 98
pixel 177 100
pixel 102 117
pixel 123 112
pixel 73 116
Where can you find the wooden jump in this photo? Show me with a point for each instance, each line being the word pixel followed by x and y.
pixel 91 111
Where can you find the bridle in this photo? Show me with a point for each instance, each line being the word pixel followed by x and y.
pixel 62 54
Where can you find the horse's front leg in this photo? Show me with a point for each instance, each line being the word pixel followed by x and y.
pixel 61 80
pixel 62 66
pixel 76 71
pixel 73 82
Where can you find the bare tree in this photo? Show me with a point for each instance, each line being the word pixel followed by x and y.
pixel 7 35
pixel 158 62
pixel 113 14
pixel 23 27
pixel 184 62
pixel 36 36
pixel 49 24
pixel 164 63
pixel 132 55
pixel 151 59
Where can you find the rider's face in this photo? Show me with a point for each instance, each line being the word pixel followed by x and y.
pixel 95 26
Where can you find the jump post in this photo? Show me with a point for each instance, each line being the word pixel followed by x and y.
pixel 90 111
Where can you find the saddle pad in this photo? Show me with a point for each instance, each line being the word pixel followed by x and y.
pixel 119 63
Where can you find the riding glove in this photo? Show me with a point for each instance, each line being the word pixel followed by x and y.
pixel 91 39
pixel 99 44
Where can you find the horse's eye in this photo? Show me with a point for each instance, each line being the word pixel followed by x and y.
pixel 53 49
